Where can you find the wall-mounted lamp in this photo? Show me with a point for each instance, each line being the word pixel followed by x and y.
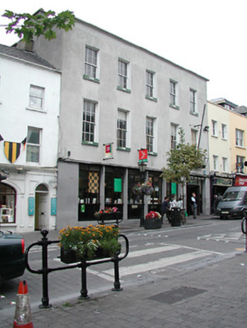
pixel 68 153
pixel 206 128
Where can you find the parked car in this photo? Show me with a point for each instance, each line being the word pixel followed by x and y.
pixel 12 258
pixel 233 203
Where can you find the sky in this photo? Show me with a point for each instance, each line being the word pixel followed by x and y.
pixel 207 37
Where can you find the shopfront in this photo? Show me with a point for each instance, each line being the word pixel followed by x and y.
pixel 109 186
pixel 219 184
pixel 7 204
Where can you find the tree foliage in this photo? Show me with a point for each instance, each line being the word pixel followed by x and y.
pixel 26 26
pixel 182 160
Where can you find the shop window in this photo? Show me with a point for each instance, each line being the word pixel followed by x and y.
pixel 114 187
pixel 7 204
pixel 89 187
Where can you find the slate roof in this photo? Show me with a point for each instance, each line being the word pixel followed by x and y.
pixel 28 56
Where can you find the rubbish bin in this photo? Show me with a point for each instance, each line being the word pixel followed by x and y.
pixel 175 217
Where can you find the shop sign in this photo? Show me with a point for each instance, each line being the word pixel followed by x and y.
pixel 240 181
pixel 222 182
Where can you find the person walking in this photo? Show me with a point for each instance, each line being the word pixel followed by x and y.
pixel 165 209
pixel 193 205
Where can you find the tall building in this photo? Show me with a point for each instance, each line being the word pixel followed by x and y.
pixel 118 98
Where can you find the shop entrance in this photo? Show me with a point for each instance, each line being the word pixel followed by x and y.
pixel 41 207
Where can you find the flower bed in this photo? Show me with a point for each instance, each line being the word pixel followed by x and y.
pixel 88 243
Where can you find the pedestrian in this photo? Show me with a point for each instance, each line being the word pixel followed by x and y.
pixel 193 205
pixel 165 209
pixel 173 202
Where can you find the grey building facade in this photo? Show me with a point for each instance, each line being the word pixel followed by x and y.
pixel 118 97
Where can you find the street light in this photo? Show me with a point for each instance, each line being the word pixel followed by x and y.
pixel 142 167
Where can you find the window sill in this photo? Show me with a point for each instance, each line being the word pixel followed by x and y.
pixel 92 79
pixel 194 113
pixel 214 136
pixel 90 143
pixel 240 147
pixel 36 110
pixel 174 106
pixel 152 154
pixel 124 149
pixel 124 90
pixel 151 98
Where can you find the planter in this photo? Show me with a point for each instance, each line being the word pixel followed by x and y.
pixel 70 256
pixel 116 216
pixel 152 223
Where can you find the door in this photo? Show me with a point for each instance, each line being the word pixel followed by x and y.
pixel 42 217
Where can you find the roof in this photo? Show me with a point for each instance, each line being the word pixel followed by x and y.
pixel 28 56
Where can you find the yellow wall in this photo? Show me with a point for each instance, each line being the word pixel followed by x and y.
pixel 237 121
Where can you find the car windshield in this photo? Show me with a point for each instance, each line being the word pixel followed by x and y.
pixel 233 195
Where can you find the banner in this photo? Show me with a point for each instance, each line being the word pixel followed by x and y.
pixel 143 155
pixel 108 151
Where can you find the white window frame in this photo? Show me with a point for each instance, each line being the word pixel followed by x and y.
pixel 31 146
pixel 224 164
pixel 239 138
pixel 240 159
pixel 91 66
pixel 89 127
pixel 36 97
pixel 122 115
pixel 214 128
pixel 151 134
pixel 173 93
pixel 123 75
pixel 224 131
pixel 215 163
pixel 150 85
pixel 194 136
pixel 174 135
pixel 193 102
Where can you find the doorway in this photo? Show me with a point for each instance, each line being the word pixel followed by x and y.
pixel 41 207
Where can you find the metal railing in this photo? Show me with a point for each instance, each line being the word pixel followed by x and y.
pixel 45 270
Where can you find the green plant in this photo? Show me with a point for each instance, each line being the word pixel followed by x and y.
pixel 107 210
pixel 88 242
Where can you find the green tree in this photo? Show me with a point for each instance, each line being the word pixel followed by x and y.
pixel 182 160
pixel 26 26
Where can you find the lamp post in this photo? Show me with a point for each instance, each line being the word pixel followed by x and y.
pixel 142 166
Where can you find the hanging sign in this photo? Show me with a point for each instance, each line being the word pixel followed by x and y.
pixel 143 155
pixel 117 185
pixel 108 151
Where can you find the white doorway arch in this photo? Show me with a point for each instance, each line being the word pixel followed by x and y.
pixel 41 207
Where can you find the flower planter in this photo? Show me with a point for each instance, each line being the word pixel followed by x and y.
pixel 152 223
pixel 88 243
pixel 70 256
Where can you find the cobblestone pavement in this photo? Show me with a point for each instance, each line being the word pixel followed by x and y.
pixel 212 296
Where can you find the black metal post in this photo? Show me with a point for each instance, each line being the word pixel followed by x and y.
pixel 45 299
pixel 117 286
pixel 84 294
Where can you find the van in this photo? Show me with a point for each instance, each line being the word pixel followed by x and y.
pixel 233 203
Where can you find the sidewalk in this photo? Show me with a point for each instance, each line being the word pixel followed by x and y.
pixel 210 297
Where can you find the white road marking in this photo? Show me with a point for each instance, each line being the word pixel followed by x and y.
pixel 161 263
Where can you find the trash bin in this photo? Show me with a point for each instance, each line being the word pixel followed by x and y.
pixel 175 217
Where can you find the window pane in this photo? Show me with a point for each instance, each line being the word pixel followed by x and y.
pixel 32 154
pixel 33 136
